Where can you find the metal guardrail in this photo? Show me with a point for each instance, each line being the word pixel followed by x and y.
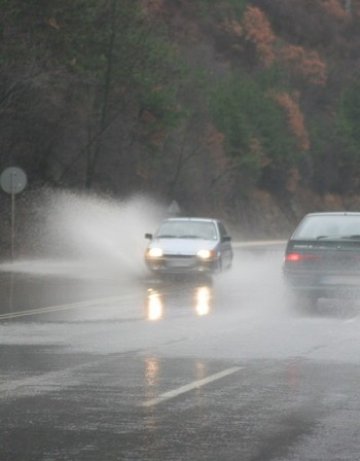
pixel 259 244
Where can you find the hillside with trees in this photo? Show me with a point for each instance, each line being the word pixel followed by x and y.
pixel 244 109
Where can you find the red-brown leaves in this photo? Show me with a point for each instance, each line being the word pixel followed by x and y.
pixel 295 119
pixel 153 6
pixel 306 63
pixel 335 8
pixel 257 29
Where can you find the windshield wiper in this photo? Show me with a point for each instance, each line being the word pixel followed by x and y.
pixel 328 237
pixel 166 236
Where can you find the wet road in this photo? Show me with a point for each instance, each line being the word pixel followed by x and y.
pixel 96 365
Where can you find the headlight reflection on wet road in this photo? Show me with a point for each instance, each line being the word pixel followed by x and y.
pixel 202 300
pixel 199 302
pixel 155 307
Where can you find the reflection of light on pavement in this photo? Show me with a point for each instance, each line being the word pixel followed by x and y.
pixel 293 374
pixel 155 306
pixel 201 370
pixel 151 380
pixel 152 367
pixel 202 300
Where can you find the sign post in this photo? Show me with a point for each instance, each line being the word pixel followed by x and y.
pixel 13 181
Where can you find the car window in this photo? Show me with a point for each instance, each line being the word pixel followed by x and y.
pixel 323 227
pixel 187 229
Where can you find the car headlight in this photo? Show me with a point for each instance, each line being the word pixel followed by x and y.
pixel 155 252
pixel 206 254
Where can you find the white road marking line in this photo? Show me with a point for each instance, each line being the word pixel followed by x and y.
pixel 189 387
pixel 64 307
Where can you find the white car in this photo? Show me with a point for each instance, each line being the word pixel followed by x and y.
pixel 189 245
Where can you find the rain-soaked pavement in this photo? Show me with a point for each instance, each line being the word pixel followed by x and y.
pixel 99 366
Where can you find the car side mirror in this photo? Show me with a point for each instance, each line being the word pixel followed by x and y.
pixel 226 238
pixel 149 236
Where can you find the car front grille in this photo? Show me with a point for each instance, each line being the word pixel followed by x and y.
pixel 172 256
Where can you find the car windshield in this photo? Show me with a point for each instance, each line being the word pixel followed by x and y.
pixel 188 229
pixel 329 227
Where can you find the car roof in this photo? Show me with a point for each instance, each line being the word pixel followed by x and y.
pixel 335 213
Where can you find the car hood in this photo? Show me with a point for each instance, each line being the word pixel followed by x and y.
pixel 183 246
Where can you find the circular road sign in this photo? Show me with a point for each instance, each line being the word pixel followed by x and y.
pixel 13 180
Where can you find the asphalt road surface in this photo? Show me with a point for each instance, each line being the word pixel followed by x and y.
pixel 99 366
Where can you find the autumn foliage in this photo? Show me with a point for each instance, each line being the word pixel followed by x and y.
pixel 152 6
pixel 295 119
pixel 257 30
pixel 178 96
pixel 306 63
pixel 335 8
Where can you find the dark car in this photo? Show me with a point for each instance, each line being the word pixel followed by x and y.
pixel 189 245
pixel 322 257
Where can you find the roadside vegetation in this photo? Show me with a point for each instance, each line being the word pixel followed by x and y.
pixel 247 109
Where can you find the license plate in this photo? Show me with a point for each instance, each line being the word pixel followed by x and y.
pixel 179 262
